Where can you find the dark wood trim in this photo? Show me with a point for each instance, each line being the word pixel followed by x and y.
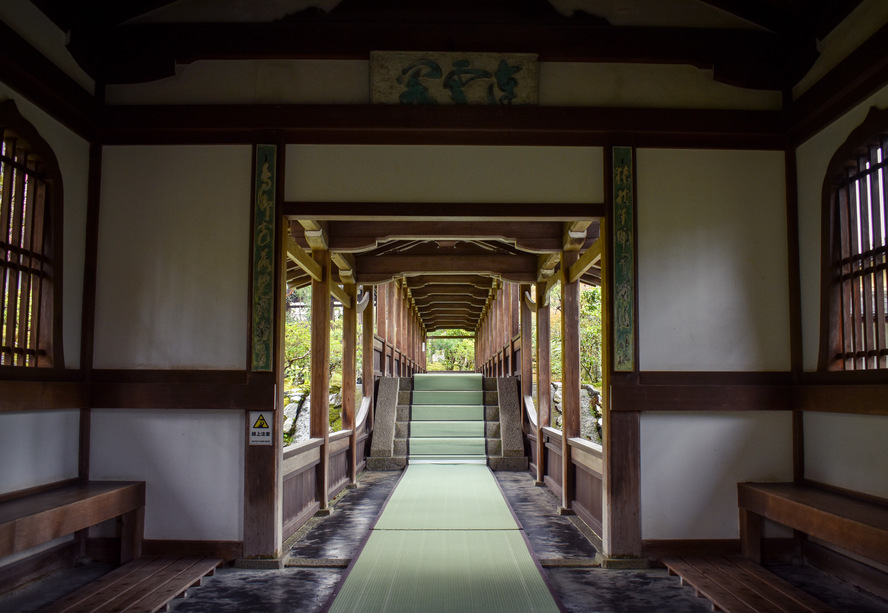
pixel 227 550
pixel 42 395
pixel 499 213
pixel 714 397
pixel 174 395
pixel 28 72
pixel 444 125
pixel 857 399
pixel 854 572
pixel 720 377
pixel 621 482
pixel 792 250
pixel 91 257
pixel 139 52
pixel 857 77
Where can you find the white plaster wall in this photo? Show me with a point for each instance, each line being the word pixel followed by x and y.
pixel 348 82
pixel 712 261
pixel 38 447
pixel 173 267
pixel 847 451
pixel 813 157
pixel 691 464
pixel 72 153
pixel 429 174
pixel 192 462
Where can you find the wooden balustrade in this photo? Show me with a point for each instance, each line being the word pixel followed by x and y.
pixel 585 457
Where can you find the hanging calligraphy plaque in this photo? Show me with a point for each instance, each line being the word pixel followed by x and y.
pixel 453 78
pixel 624 260
pixel 263 259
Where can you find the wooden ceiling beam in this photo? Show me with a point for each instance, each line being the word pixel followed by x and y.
pixel 423 281
pixel 395 124
pixel 590 258
pixel 140 52
pixel 517 268
pixel 357 236
pixel 298 256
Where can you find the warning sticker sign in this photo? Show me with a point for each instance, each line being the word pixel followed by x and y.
pixel 260 429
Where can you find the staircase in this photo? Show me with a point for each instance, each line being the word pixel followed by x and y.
pixel 460 418
pixel 447 421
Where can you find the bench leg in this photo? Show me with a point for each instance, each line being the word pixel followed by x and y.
pixel 751 535
pixel 132 527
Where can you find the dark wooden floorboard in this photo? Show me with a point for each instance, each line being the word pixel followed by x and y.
pixel 145 585
pixel 735 585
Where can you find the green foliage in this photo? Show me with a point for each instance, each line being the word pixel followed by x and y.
pixel 590 334
pixel 297 352
pixel 451 354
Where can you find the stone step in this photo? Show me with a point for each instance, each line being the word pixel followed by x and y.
pixel 448 381
pixel 447 429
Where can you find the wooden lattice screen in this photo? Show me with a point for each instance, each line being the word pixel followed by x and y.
pixel 23 265
pixel 860 210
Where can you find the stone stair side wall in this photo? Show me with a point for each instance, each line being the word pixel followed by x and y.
pixel 384 426
pixel 512 456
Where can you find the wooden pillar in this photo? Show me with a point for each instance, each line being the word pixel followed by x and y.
pixel 320 371
pixel 570 375
pixel 621 440
pixel 349 374
pixel 544 376
pixel 381 291
pixel 526 347
pixel 369 355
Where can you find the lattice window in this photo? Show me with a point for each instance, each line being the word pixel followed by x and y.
pixel 26 266
pixel 858 219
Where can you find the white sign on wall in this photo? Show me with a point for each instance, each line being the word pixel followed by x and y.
pixel 260 427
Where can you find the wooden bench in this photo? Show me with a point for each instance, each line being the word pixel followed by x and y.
pixel 737 585
pixel 37 518
pixel 858 526
pixel 145 585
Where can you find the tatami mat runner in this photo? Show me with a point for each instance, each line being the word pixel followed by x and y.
pixel 446 541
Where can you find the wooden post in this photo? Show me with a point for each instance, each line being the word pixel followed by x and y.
pixel 544 404
pixel 570 375
pixel 526 347
pixel 320 371
pixel 368 357
pixel 349 370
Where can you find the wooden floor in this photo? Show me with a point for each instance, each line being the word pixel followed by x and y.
pixel 145 585
pixel 736 585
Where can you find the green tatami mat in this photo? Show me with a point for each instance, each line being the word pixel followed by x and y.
pixel 447 382
pixel 441 412
pixel 447 497
pixel 448 397
pixel 447 446
pixel 445 571
pixel 447 428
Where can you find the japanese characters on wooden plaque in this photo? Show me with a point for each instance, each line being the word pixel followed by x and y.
pixel 624 260
pixel 263 259
pixel 453 78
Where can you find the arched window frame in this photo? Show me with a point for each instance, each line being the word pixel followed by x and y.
pixel 30 246
pixel 854 324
